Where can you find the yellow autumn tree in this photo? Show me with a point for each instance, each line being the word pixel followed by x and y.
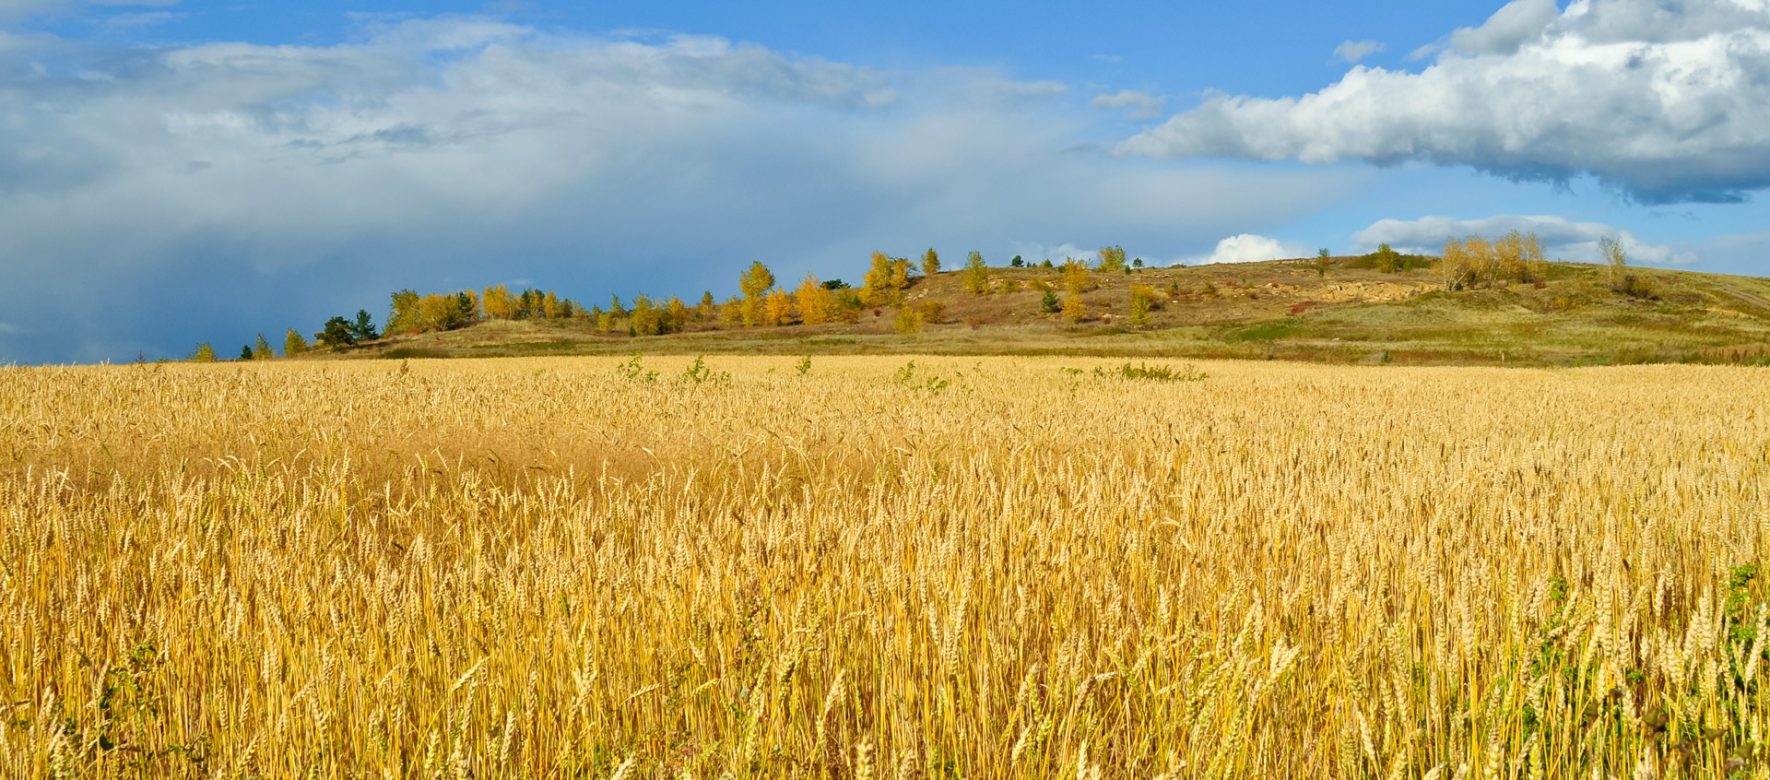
pixel 880 285
pixel 1144 299
pixel 1112 258
pixel 1483 261
pixel 645 319
pixel 777 308
pixel 676 315
pixel 1073 308
pixel 755 284
pixel 816 304
pixel 1076 278
pixel 402 314
pixel 976 274
pixel 731 313
pixel 1534 261
pixel 1520 257
pixel 294 343
pixel 909 320
pixel 1453 270
pixel 900 273
pixel 497 303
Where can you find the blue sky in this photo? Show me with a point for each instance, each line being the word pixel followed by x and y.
pixel 173 172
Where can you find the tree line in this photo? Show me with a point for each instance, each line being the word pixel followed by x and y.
pixel 759 303
pixel 1467 263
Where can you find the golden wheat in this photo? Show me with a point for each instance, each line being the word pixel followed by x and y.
pixel 978 568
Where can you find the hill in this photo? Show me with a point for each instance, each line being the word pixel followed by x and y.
pixel 1344 312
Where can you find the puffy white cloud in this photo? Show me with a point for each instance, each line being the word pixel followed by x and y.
pixel 1138 105
pixel 1561 239
pixel 1353 51
pixel 1664 101
pixel 1249 248
pixel 281 184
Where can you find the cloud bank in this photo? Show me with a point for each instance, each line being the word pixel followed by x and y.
pixel 1665 102
pixel 152 197
pixel 1561 238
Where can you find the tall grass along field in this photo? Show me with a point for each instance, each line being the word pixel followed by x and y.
pixel 868 568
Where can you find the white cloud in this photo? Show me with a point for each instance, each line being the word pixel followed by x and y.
pixel 1561 238
pixel 1424 52
pixel 1353 51
pixel 287 183
pixel 1664 101
pixel 1249 248
pixel 1139 105
pixel 1515 24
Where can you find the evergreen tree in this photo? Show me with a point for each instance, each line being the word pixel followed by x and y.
pixel 336 334
pixel 364 327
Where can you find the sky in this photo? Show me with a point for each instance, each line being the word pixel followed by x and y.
pixel 176 171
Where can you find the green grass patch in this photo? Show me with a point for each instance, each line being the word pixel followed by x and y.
pixel 408 353
pixel 1269 331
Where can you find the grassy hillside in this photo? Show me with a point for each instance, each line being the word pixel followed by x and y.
pixel 1283 309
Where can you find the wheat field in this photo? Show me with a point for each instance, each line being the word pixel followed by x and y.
pixel 860 568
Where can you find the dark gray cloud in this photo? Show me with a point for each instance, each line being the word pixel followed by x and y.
pixel 155 197
pixel 1664 101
